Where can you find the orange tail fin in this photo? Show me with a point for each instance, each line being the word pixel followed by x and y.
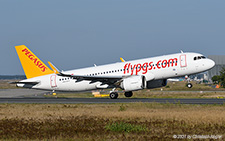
pixel 32 65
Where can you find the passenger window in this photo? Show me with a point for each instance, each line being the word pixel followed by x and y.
pixel 199 57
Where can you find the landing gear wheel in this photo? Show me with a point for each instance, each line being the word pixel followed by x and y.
pixel 189 85
pixel 128 94
pixel 113 95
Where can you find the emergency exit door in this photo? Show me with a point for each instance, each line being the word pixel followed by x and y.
pixel 183 61
pixel 53 81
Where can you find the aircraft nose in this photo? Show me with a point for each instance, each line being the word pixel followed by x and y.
pixel 211 63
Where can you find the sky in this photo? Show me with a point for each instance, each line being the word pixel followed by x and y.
pixel 79 33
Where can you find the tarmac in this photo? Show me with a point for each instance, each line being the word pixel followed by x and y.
pixel 37 96
pixel 39 100
pixel 15 93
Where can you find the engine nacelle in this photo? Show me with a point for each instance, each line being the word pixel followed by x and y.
pixel 133 83
pixel 156 83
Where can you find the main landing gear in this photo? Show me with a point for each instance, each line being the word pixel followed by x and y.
pixel 128 94
pixel 114 95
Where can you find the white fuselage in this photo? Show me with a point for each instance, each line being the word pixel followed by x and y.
pixel 155 68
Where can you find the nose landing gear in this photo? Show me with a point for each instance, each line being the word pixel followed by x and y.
pixel 189 85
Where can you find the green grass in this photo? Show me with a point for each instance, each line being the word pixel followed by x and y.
pixel 137 121
pixel 122 108
pixel 95 128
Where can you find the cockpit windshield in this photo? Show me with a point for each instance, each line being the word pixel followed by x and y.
pixel 199 57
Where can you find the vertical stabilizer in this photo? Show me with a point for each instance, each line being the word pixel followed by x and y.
pixel 32 65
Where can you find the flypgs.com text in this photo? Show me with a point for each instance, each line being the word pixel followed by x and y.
pixel 145 67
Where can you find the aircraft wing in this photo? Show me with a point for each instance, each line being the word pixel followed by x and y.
pixel 110 80
pixel 85 77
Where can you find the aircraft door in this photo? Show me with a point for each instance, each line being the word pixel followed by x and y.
pixel 53 81
pixel 183 61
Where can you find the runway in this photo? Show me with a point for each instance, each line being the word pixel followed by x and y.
pixel 37 96
pixel 107 100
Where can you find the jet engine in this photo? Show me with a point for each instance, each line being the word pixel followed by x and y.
pixel 156 83
pixel 133 83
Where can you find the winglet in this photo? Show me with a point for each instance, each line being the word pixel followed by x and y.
pixel 122 59
pixel 56 71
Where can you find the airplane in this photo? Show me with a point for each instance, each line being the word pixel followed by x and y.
pixel 129 76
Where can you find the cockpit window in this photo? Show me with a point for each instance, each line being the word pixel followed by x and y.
pixel 199 57
pixel 203 57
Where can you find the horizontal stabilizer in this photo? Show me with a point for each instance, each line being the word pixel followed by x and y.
pixel 29 83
